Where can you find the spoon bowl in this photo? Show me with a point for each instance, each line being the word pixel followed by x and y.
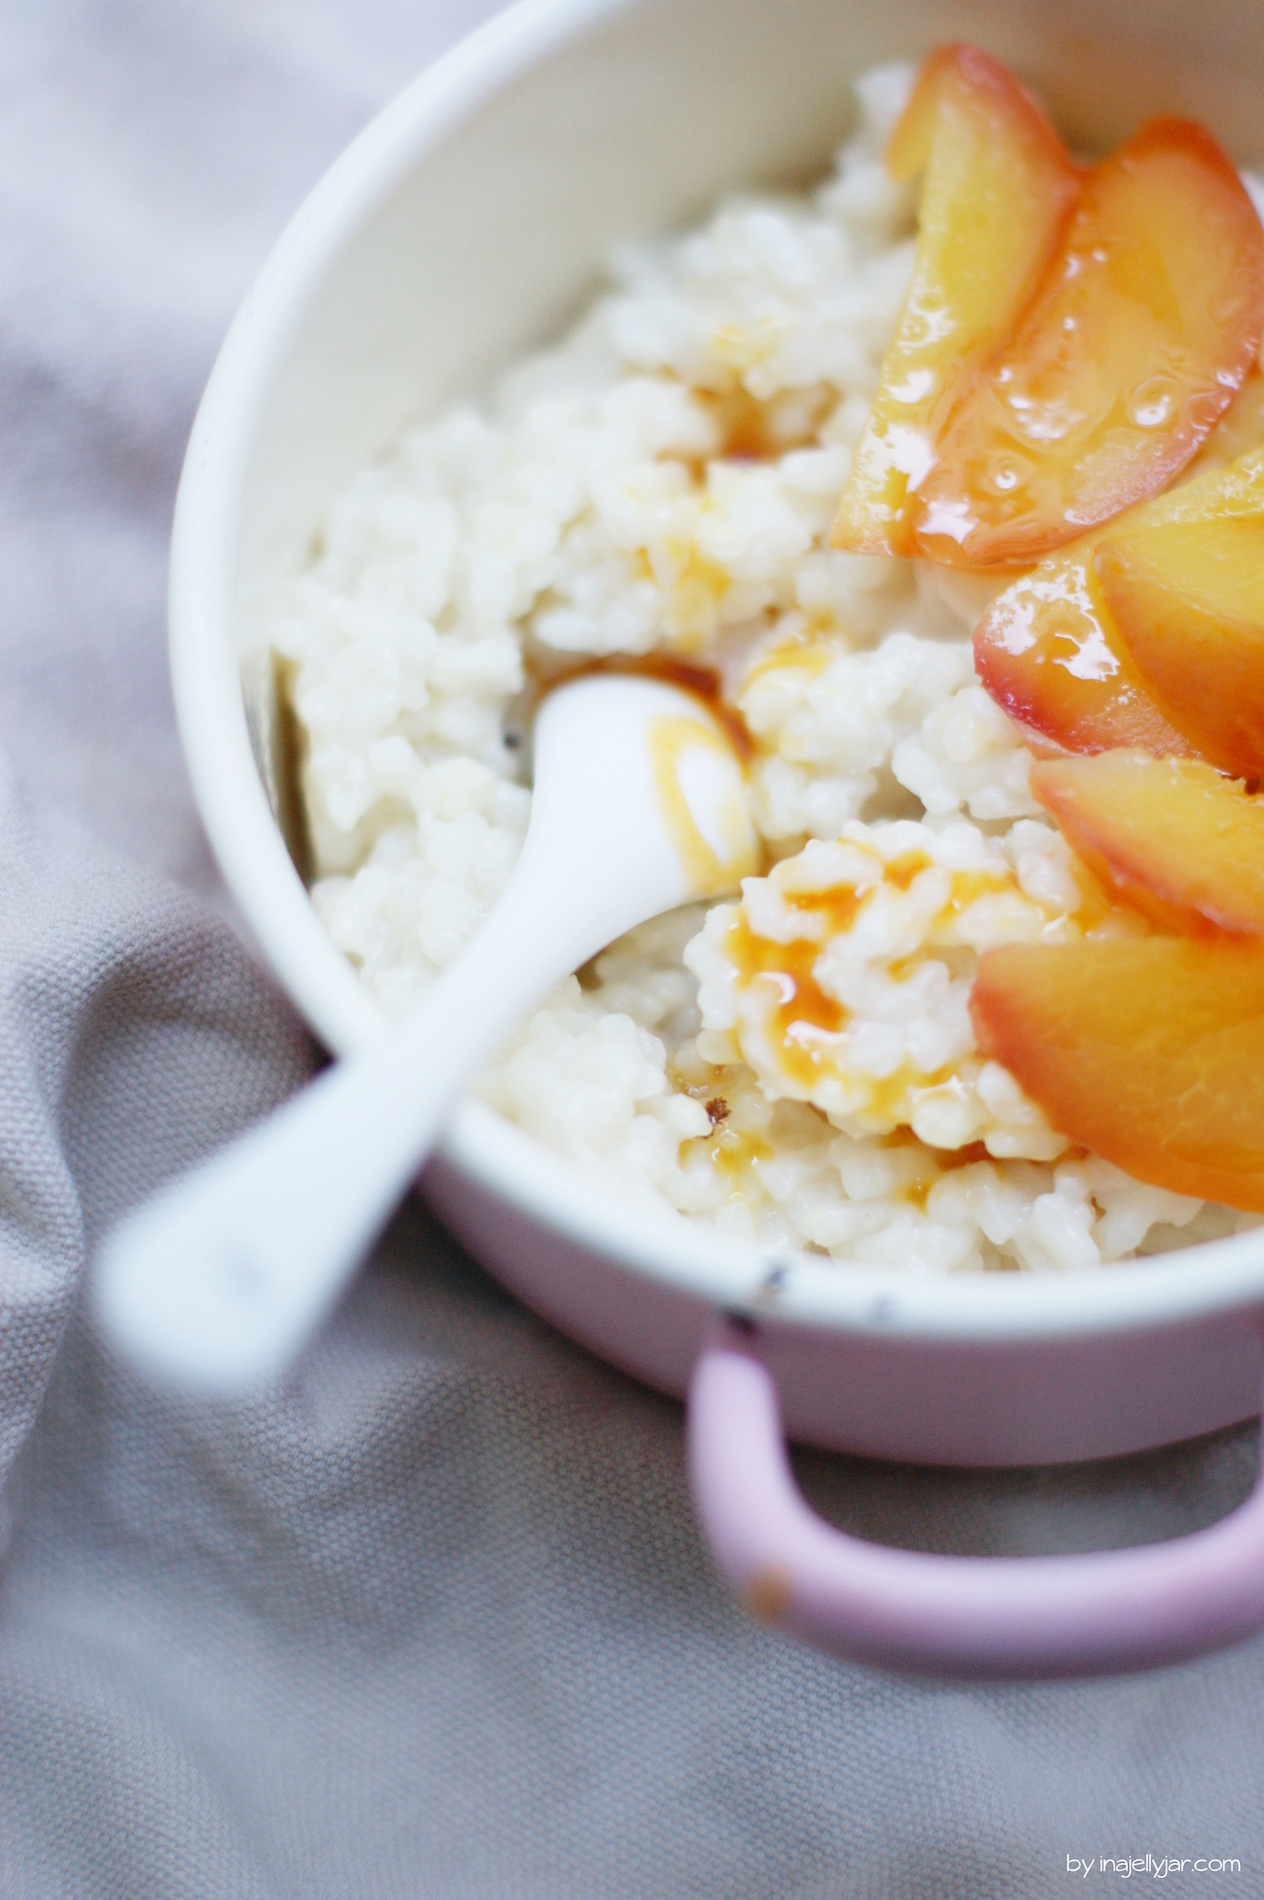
pixel 639 805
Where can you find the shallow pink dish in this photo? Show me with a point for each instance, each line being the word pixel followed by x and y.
pixel 456 231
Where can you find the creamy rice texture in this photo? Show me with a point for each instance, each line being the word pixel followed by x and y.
pixel 664 480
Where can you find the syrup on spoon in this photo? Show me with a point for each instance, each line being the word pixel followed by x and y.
pixel 639 805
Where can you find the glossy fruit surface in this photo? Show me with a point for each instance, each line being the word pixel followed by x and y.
pixel 1047 652
pixel 1052 653
pixel 1141 332
pixel 1172 836
pixel 1187 602
pixel 998 187
pixel 1148 1051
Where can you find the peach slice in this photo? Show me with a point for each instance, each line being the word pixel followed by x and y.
pixel 1142 330
pixel 997 190
pixel 1148 1051
pixel 1172 836
pixel 1188 605
pixel 1239 430
pixel 1049 649
pixel 1047 653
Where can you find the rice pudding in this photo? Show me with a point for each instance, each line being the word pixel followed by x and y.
pixel 795 1066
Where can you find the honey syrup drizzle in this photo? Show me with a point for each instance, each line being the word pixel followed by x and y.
pixel 701 682
pixel 709 873
pixel 806 1019
pixel 804 1014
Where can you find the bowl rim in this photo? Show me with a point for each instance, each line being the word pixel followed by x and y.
pixel 498 1158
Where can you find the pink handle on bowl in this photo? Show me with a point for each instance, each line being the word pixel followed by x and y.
pixel 950 1616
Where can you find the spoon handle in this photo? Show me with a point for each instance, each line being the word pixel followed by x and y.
pixel 220 1279
pixel 638 804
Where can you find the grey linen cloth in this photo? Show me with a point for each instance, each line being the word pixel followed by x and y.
pixel 433 1619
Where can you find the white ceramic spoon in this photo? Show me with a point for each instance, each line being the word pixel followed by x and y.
pixel 639 805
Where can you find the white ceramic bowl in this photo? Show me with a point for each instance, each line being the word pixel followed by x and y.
pixel 464 225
